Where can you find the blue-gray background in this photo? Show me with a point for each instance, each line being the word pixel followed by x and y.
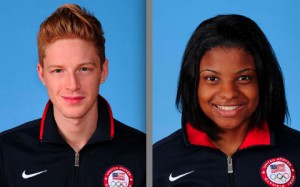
pixel 22 95
pixel 175 20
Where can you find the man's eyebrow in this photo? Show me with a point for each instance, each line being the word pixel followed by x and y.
pixel 53 66
pixel 87 63
pixel 210 70
pixel 61 66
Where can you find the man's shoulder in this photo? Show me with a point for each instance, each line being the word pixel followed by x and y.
pixel 125 130
pixel 26 128
pixel 129 138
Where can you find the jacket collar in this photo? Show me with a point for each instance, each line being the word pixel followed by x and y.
pixel 255 137
pixel 105 127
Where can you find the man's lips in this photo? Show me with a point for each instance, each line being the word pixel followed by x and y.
pixel 73 99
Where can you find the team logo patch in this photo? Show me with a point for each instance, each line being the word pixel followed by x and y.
pixel 118 176
pixel 278 172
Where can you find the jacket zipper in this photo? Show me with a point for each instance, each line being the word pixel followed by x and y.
pixel 77 156
pixel 76 164
pixel 230 171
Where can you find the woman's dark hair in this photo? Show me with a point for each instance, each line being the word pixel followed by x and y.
pixel 239 32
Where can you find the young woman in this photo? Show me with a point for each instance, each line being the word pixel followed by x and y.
pixel 231 95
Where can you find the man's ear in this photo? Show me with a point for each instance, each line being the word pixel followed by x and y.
pixel 104 71
pixel 41 73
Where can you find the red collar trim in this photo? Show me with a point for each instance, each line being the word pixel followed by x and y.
pixel 43 120
pixel 111 119
pixel 256 136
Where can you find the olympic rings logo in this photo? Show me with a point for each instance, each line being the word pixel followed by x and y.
pixel 118 184
pixel 280 176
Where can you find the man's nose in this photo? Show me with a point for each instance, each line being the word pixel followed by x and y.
pixel 72 82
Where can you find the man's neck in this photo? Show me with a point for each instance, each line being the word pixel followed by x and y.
pixel 77 132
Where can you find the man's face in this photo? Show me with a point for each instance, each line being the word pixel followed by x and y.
pixel 72 75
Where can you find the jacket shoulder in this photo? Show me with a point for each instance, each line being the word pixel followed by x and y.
pixel 291 131
pixel 129 136
pixel 169 141
pixel 286 132
pixel 28 126
pixel 121 128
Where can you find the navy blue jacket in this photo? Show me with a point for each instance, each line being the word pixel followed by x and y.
pixel 265 158
pixel 34 154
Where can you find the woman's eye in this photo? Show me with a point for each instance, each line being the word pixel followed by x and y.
pixel 243 78
pixel 212 78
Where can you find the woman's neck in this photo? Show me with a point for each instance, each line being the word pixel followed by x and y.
pixel 231 140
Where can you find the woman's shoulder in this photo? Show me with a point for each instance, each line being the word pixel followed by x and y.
pixel 288 135
pixel 170 142
pixel 287 130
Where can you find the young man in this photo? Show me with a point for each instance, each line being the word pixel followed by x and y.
pixel 77 142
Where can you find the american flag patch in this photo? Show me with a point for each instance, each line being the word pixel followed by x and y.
pixel 277 168
pixel 118 176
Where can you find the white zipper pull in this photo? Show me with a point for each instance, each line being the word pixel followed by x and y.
pixel 229 164
pixel 77 159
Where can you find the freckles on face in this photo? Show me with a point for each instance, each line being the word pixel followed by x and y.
pixel 228 89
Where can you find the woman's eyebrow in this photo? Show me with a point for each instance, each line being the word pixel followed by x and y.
pixel 238 72
pixel 210 70
pixel 244 70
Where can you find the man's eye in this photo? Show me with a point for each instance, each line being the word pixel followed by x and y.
pixel 57 71
pixel 84 69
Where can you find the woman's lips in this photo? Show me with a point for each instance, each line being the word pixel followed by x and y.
pixel 228 110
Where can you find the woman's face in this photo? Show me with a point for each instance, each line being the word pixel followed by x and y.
pixel 228 89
